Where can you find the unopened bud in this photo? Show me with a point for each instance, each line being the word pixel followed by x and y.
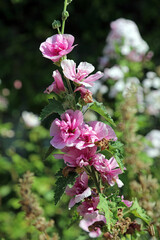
pixel 65 15
pixel 69 1
pixel 56 24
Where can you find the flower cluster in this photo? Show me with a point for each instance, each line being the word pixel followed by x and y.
pixel 125 34
pixel 80 142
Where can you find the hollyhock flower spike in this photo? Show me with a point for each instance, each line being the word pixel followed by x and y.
pixel 57 46
pixel 80 190
pixel 80 75
pixel 57 86
pixel 66 130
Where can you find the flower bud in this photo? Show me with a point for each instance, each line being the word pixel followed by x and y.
pixel 69 1
pixel 65 15
pixel 56 24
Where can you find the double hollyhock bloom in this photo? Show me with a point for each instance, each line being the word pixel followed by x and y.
pixel 57 46
pixel 108 169
pixel 66 131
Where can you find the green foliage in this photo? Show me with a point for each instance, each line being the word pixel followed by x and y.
pixel 103 206
pixel 137 211
pixel 49 151
pixel 61 184
pixel 115 149
pixel 100 108
pixel 54 106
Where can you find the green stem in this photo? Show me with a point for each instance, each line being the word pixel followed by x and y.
pixel 93 175
pixel 69 85
pixel 63 21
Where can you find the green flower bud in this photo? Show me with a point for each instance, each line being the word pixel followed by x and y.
pixel 56 24
pixel 69 1
pixel 65 15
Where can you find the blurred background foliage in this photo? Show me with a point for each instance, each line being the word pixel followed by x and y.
pixel 24 25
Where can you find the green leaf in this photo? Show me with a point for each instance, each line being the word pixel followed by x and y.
pixel 137 211
pixel 54 106
pixel 100 108
pixel 49 151
pixel 62 183
pixel 116 148
pixel 103 206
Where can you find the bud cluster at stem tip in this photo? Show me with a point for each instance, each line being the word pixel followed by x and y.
pixel 56 24
pixel 65 15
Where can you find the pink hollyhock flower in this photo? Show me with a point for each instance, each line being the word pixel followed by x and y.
pixel 88 208
pixel 57 46
pixel 81 75
pixel 80 190
pixel 77 158
pixel 109 170
pixel 86 138
pixel 66 130
pixel 86 95
pixel 94 231
pixel 126 202
pixel 57 86
pixel 103 130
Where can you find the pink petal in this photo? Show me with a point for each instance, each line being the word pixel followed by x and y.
pixel 69 69
pixel 85 68
pixel 59 82
pixel 71 203
pixel 69 38
pixel 58 142
pixel 119 183
pixel 111 134
pixel 83 195
pixel 94 77
pixel 100 129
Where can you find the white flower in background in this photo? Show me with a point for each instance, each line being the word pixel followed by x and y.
pixel 151 81
pixel 30 119
pixel 125 34
pixel 154 138
pixel 152 102
pixel 114 72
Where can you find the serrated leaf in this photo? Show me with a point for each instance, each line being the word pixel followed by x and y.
pixel 100 108
pixel 103 206
pixel 49 151
pixel 54 106
pixel 137 211
pixel 62 183
pixel 116 148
